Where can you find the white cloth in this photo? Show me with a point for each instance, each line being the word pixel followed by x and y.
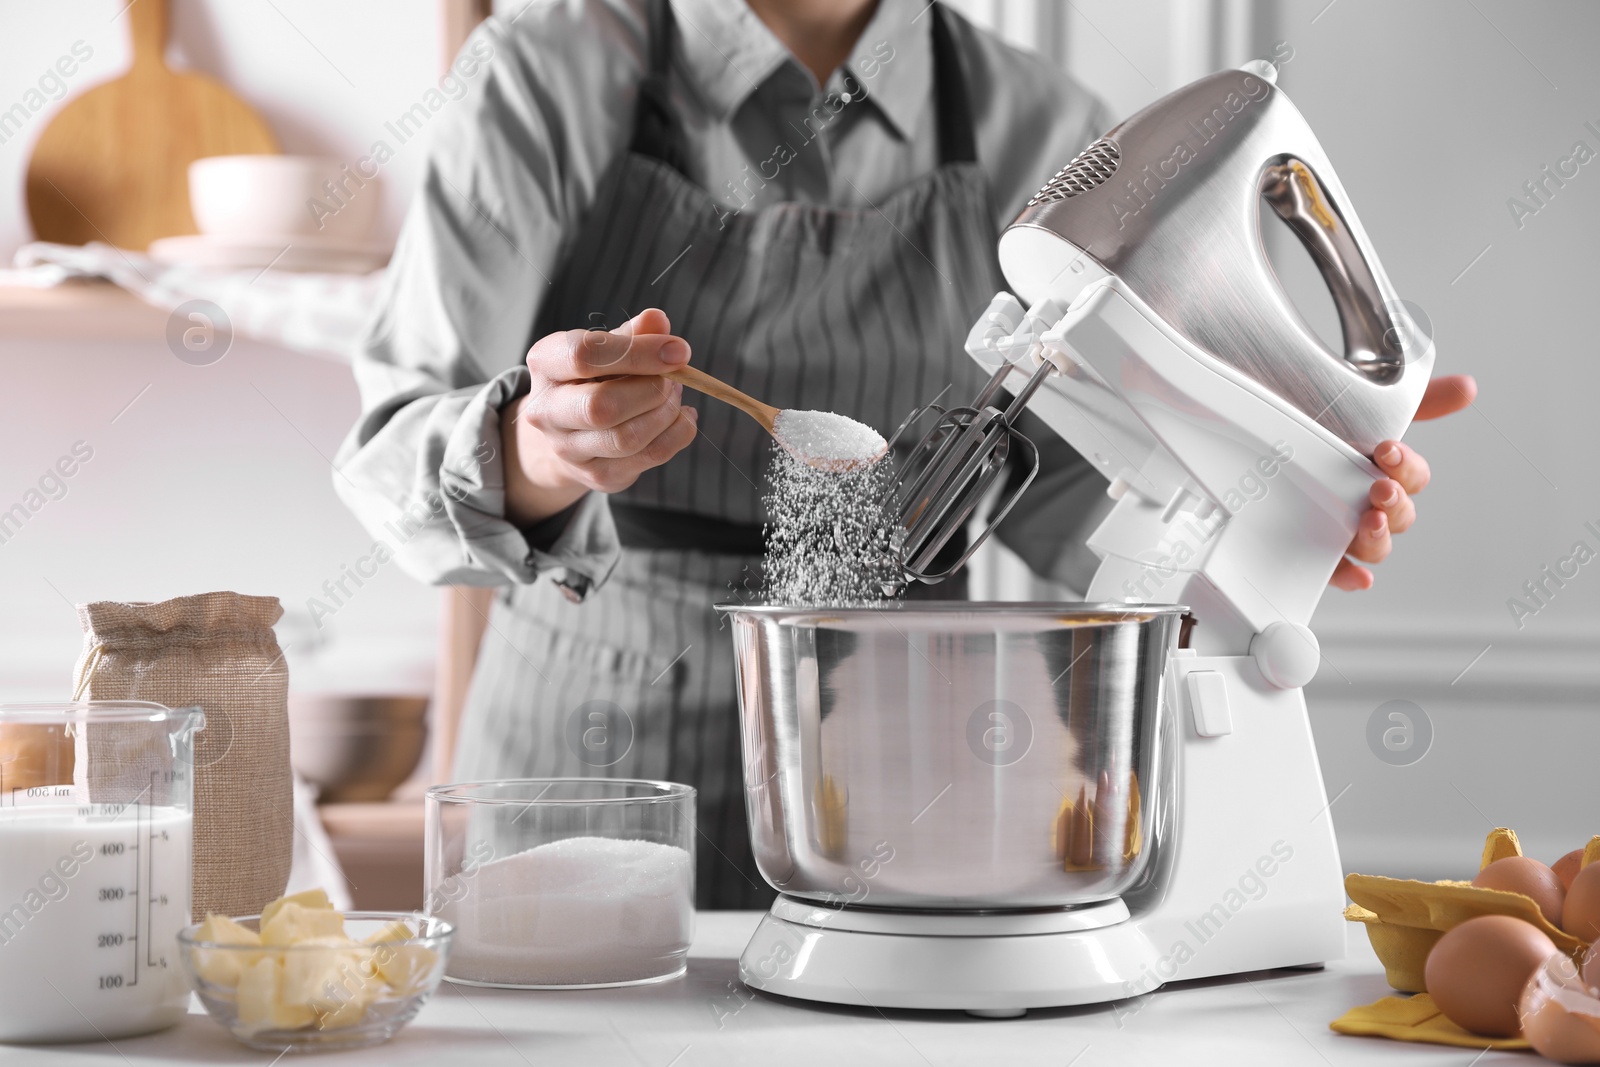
pixel 320 314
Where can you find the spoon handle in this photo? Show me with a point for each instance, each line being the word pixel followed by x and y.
pixel 698 379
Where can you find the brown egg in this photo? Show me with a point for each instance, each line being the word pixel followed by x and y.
pixel 1567 867
pixel 1591 970
pixel 1519 874
pixel 1580 916
pixel 1477 971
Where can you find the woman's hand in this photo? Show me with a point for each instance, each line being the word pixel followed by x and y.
pixel 1391 510
pixel 598 415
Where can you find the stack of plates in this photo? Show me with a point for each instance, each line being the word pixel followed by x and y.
pixel 300 252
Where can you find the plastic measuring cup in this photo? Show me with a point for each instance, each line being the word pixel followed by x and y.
pixel 96 835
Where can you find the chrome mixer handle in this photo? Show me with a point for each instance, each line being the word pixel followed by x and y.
pixel 950 471
pixel 1172 202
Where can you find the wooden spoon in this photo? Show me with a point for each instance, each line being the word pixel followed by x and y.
pixel 772 419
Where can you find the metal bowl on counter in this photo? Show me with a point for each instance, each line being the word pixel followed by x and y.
pixel 356 747
pixel 954 755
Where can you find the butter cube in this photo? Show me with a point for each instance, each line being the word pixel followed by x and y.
pixel 260 1001
pixel 405 967
pixel 329 975
pixel 223 966
pixel 292 922
pixel 393 931
pixel 316 899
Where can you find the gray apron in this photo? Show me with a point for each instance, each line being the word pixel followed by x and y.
pixel 858 311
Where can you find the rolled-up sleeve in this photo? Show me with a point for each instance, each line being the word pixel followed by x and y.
pixel 513 167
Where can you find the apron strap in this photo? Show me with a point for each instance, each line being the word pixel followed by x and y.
pixel 957 140
pixel 658 135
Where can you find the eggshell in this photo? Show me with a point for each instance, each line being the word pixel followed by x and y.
pixel 1561 1035
pixel 1477 972
pixel 1567 866
pixel 1519 874
pixel 1560 1017
pixel 1591 969
pixel 1580 915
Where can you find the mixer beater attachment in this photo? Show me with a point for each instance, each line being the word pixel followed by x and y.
pixel 954 465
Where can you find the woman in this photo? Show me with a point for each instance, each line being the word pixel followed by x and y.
pixel 803 196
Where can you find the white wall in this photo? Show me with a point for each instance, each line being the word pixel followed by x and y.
pixel 1435 114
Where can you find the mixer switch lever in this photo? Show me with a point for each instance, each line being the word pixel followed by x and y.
pixel 1208 700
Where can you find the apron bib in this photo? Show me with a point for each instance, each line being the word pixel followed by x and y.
pixel 863 312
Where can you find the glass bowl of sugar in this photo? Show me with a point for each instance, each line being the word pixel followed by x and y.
pixel 562 883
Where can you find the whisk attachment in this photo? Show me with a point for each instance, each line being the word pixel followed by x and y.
pixel 950 471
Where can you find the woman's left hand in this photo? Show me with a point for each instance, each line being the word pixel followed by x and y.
pixel 1391 510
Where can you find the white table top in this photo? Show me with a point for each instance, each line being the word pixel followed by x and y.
pixel 1274 1018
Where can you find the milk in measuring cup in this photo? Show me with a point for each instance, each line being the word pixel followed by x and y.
pixel 92 897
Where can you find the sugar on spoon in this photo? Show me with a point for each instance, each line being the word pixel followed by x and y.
pixel 821 439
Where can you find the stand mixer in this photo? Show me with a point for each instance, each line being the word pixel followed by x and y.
pixel 995 807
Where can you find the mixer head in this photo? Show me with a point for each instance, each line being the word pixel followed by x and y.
pixel 1172 202
pixel 956 462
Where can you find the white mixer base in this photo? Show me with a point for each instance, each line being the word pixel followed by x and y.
pixel 890 960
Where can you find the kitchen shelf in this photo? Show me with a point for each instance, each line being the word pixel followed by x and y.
pixel 77 311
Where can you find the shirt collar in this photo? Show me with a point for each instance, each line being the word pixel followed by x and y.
pixel 893 61
pixel 730 52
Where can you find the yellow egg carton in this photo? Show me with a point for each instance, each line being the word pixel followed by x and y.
pixel 1405 918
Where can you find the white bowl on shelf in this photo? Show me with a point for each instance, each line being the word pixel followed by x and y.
pixel 257 196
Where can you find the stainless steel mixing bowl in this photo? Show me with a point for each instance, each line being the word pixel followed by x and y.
pixel 953 755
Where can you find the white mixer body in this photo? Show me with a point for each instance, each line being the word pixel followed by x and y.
pixel 1235 445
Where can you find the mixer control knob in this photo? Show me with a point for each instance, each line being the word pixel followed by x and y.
pixel 1287 653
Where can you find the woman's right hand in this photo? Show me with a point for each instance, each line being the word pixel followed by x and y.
pixel 599 414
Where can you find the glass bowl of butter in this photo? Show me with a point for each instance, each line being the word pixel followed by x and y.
pixel 304 977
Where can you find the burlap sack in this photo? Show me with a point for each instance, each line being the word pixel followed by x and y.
pixel 217 652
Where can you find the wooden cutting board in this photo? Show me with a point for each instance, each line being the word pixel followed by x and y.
pixel 113 164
